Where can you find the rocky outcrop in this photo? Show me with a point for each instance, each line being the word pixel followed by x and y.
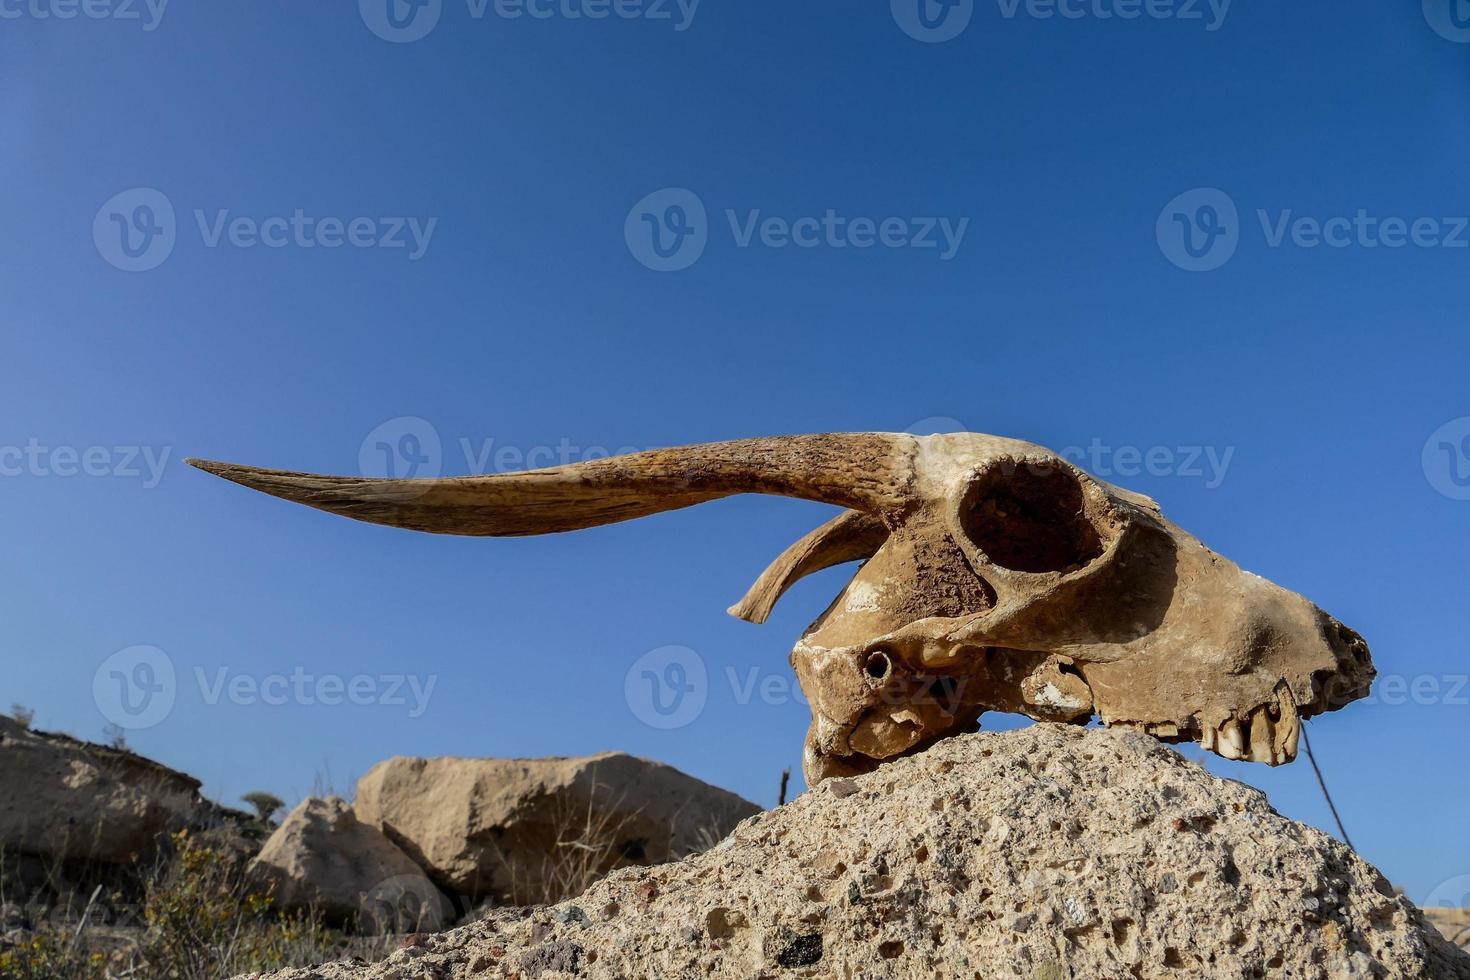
pixel 323 858
pixel 64 800
pixel 1049 852
pixel 528 830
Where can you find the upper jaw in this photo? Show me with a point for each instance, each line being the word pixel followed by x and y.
pixel 1265 732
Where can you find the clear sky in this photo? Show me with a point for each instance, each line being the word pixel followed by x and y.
pixel 1233 235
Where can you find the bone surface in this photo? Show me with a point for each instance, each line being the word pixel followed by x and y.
pixel 995 576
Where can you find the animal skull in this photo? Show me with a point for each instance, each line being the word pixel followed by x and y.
pixel 998 577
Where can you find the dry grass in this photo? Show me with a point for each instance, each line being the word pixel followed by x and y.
pixel 587 843
pixel 199 919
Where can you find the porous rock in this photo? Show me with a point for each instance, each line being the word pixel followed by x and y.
pixel 1050 852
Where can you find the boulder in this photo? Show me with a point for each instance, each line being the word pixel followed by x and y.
pixel 534 830
pixel 323 858
pixel 65 800
pixel 1046 853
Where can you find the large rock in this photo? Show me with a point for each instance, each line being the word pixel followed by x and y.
pixel 528 830
pixel 323 858
pixel 1046 853
pixel 65 800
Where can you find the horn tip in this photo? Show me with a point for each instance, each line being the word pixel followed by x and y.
pixel 749 612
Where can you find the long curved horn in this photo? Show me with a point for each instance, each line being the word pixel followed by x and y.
pixel 870 472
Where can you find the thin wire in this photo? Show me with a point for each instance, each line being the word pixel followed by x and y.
pixel 1307 743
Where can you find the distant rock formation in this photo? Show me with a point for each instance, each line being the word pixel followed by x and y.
pixel 63 799
pixel 1453 924
pixel 322 857
pixel 534 830
pixel 1045 853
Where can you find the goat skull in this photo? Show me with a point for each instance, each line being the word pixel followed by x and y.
pixel 998 577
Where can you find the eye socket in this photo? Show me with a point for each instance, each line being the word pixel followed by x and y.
pixel 1030 517
pixel 878 665
pixel 942 691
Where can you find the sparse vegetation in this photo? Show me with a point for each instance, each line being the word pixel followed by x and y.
pixel 589 842
pixel 24 716
pixel 115 737
pixel 200 919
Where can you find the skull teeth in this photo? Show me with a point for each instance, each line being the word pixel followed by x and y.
pixel 1208 738
pixel 1289 728
pixel 1232 740
pixel 1268 733
pixel 1262 737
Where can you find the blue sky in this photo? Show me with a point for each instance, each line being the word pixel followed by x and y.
pixel 485 187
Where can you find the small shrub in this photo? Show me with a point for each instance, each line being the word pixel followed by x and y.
pixel 201 920
pixel 265 804
pixel 115 737
pixel 52 954
pixel 204 920
pixel 24 716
